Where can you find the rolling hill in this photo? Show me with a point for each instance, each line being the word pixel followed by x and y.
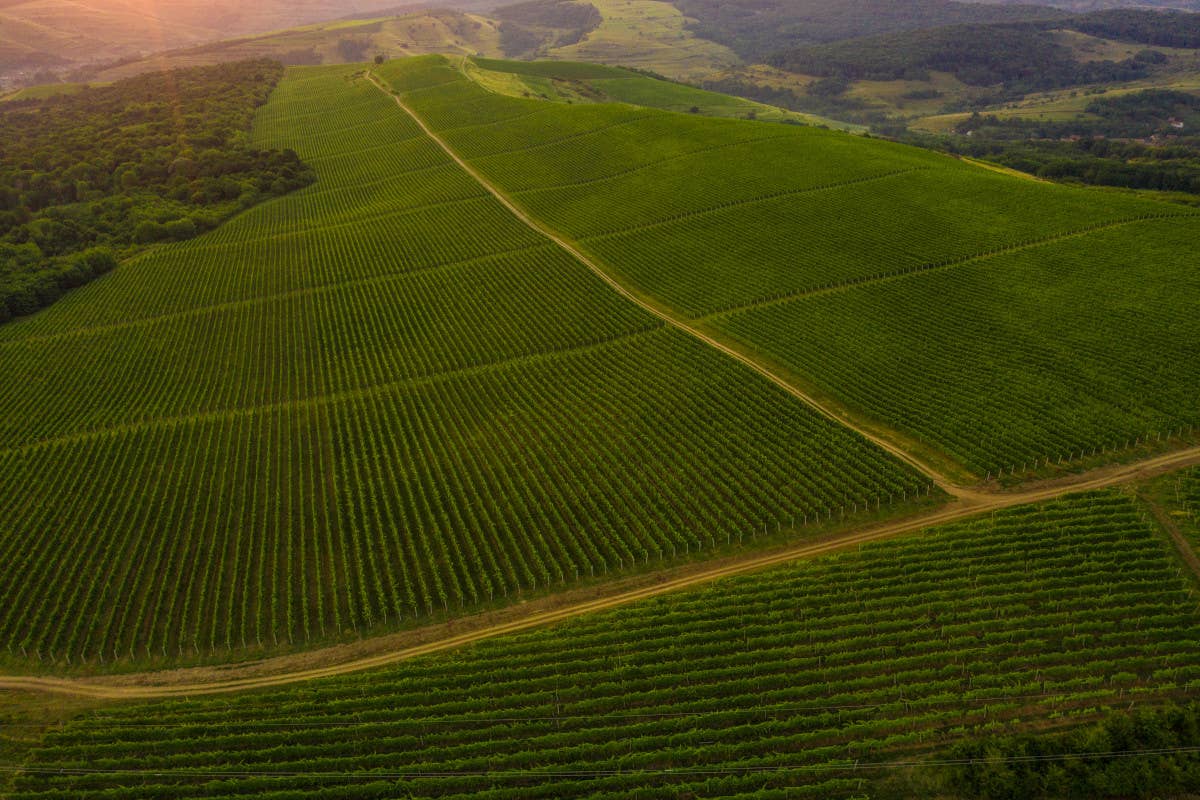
pixel 51 33
pixel 1018 58
pixel 402 401
pixel 822 253
pixel 810 444
pixel 337 42
pixel 345 352
pixel 756 29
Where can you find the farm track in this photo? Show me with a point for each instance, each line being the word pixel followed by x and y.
pixel 1181 543
pixel 344 659
pixel 297 668
pixel 676 321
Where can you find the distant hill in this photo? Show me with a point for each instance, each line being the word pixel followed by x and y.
pixel 756 28
pixel 529 27
pixel 38 34
pixel 338 42
pixel 1099 5
pixel 1022 57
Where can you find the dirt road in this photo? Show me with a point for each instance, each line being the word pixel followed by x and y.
pixel 339 660
pixel 667 316
pixel 295 668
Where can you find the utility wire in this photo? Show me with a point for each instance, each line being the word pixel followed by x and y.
pixel 856 766
pixel 464 719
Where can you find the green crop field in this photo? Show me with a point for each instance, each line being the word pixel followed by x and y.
pixel 562 440
pixel 1054 350
pixel 373 400
pixel 568 81
pixel 1185 496
pixel 1012 324
pixel 794 682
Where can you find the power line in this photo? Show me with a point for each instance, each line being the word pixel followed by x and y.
pixel 856 766
pixel 111 724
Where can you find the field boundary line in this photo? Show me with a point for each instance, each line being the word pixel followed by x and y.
pixel 339 131
pixel 320 113
pixel 321 191
pixel 229 305
pixel 330 398
pixel 652 164
pixel 540 145
pixel 395 213
pixel 764 198
pixel 352 153
pixel 675 321
pixel 923 269
pixel 497 122
pixel 140 686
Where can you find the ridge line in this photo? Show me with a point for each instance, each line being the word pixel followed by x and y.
pixel 317 400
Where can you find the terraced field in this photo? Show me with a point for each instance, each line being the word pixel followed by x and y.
pixel 1011 324
pixel 374 400
pixel 804 681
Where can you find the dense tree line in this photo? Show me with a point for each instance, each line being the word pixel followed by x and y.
pixel 1124 116
pixel 1101 761
pixel 757 28
pixel 1173 167
pixel 87 178
pixel 1099 162
pixel 1110 146
pixel 1159 28
pixel 833 104
pixel 1021 58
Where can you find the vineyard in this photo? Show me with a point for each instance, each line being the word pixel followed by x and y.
pixel 1186 498
pixel 1012 324
pixel 1035 377
pixel 374 400
pixel 804 681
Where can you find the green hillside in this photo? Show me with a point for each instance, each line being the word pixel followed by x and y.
pixel 565 432
pixel 373 400
pixel 1009 323
pixel 1185 492
pixel 575 82
pixel 806 681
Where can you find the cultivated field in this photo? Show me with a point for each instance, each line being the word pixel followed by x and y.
pixel 569 81
pixel 377 399
pixel 1011 324
pixel 795 682
pixel 1186 498
pixel 505 348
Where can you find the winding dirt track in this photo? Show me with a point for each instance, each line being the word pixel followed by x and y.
pixel 284 670
pixel 671 319
pixel 340 660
